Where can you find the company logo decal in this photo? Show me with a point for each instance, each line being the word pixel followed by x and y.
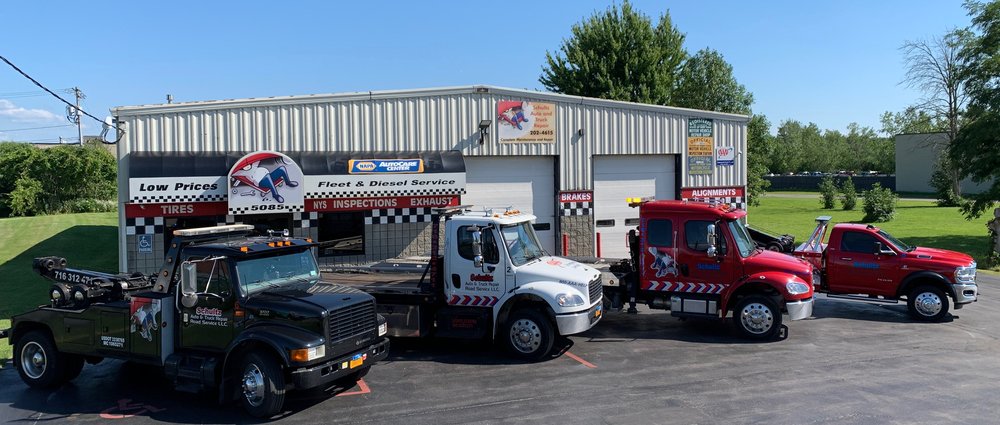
pixel 481 277
pixel 385 166
pixel 265 182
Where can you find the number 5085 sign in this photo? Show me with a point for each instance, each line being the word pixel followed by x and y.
pixel 725 155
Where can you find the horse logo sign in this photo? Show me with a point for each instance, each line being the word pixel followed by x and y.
pixel 265 182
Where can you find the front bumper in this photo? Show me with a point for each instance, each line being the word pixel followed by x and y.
pixel 965 292
pixel 574 323
pixel 327 372
pixel 798 310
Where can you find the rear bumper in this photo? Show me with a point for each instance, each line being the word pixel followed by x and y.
pixel 574 323
pixel 325 373
pixel 798 310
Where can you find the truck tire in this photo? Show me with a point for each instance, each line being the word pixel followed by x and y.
pixel 38 362
pixel 757 317
pixel 529 335
pixel 262 385
pixel 927 303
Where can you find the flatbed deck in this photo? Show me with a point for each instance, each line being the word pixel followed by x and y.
pixel 376 282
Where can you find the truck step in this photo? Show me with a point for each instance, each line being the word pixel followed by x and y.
pixel 863 298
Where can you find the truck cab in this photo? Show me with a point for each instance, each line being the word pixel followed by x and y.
pixel 865 263
pixel 697 260
pixel 246 316
pixel 491 279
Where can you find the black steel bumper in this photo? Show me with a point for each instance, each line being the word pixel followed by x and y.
pixel 327 372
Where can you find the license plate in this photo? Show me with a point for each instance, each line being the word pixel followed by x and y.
pixel 358 360
pixel 597 313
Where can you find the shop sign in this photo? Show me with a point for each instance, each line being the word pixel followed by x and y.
pixel 526 122
pixel 725 155
pixel 155 190
pixel 576 196
pixel 361 204
pixel 700 146
pixel 265 182
pixel 712 192
pixel 375 185
pixel 385 166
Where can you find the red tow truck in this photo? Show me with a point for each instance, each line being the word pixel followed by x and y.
pixel 864 263
pixel 697 260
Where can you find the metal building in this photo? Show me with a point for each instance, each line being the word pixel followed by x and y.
pixel 569 160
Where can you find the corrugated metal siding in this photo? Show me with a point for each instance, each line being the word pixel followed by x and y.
pixel 428 121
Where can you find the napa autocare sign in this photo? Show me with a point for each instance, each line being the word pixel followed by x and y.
pixel 700 146
pixel 383 166
pixel 265 182
pixel 526 122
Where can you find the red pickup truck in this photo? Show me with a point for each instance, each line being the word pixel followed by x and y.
pixel 864 263
pixel 697 260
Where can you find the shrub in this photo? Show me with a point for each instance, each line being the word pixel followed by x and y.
pixel 943 181
pixel 26 198
pixel 87 205
pixel 848 195
pixel 880 204
pixel 828 193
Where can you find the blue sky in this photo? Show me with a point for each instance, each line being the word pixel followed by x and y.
pixel 828 62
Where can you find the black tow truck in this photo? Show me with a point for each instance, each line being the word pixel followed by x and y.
pixel 245 316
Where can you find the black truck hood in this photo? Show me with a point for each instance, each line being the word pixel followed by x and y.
pixel 305 307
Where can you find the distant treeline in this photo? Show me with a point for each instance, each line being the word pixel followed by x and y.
pixel 60 179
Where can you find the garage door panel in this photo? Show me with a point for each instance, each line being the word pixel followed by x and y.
pixel 522 183
pixel 620 177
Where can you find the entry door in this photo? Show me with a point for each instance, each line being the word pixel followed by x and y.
pixel 209 324
pixel 525 183
pixel 466 284
pixel 624 176
pixel 701 273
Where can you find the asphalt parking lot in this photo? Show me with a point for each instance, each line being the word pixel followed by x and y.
pixel 851 363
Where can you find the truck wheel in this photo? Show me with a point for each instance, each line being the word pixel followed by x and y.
pixel 262 384
pixel 757 317
pixel 38 362
pixel 529 335
pixel 927 303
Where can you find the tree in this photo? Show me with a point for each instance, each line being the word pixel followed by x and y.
pixel 975 146
pixel 934 67
pixel 706 82
pixel 759 146
pixel 618 55
pixel 908 121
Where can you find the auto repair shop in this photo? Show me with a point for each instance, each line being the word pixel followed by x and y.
pixel 362 171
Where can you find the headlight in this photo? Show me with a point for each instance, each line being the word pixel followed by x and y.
pixel 797 288
pixel 966 274
pixel 383 329
pixel 308 354
pixel 569 300
pixel 817 278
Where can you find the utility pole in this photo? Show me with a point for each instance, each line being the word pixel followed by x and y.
pixel 79 122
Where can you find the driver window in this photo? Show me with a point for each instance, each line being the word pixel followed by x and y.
pixel 491 254
pixel 213 277
pixel 863 243
pixel 696 235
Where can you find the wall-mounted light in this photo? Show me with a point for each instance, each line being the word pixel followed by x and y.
pixel 580 132
pixel 484 126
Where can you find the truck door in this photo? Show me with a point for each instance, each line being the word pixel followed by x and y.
pixel 209 324
pixel 468 285
pixel 854 268
pixel 700 273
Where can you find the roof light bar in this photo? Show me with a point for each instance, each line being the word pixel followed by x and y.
pixel 200 231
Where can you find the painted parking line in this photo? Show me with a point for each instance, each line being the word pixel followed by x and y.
pixel 362 389
pixel 582 361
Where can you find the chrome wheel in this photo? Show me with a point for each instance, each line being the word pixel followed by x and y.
pixel 33 360
pixel 525 336
pixel 927 304
pixel 757 318
pixel 253 385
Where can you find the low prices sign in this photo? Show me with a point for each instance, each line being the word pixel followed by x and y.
pixel 526 122
pixel 576 196
pixel 705 193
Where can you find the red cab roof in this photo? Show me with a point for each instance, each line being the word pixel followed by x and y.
pixel 690 207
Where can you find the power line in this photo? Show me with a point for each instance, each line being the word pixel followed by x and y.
pixel 118 130
pixel 35 128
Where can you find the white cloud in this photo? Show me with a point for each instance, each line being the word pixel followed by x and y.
pixel 19 114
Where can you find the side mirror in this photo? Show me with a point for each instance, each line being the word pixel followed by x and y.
pixel 882 250
pixel 189 280
pixel 477 246
pixel 712 250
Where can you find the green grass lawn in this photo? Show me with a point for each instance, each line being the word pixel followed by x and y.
pixel 916 223
pixel 86 241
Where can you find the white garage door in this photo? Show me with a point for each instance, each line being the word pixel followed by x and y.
pixel 523 183
pixel 620 177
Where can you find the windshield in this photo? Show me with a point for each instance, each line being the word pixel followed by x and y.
pixel 290 270
pixel 900 246
pixel 522 244
pixel 744 244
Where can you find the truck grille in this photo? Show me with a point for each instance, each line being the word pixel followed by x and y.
pixel 596 290
pixel 352 320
